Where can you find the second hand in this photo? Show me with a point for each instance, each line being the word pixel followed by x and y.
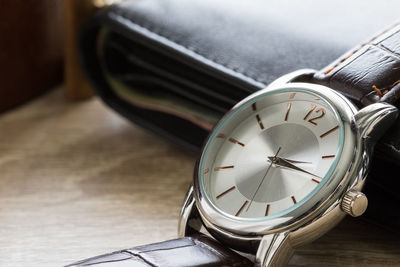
pixel 265 175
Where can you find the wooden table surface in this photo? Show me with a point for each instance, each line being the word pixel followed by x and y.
pixel 77 180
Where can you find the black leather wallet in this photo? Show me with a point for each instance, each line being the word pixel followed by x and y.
pixel 175 67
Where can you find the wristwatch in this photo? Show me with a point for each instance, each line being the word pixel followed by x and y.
pixel 284 165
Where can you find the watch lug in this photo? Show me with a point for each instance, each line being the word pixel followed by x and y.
pixel 189 218
pixel 274 250
pixel 290 77
pixel 374 120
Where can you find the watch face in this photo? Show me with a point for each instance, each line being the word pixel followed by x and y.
pixel 270 154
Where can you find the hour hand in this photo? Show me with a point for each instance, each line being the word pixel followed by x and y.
pixel 286 164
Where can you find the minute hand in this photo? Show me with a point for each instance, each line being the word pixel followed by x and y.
pixel 286 164
pixel 296 161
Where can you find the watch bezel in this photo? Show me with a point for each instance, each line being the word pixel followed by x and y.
pixel 325 198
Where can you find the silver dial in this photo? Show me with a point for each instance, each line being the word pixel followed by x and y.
pixel 271 154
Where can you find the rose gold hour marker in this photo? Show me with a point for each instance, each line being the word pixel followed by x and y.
pixel 241 208
pixel 311 110
pixel 330 131
pixel 294 200
pixel 292 95
pixel 233 140
pixel 267 210
pixel 260 122
pixel 254 107
pixel 315 180
pixel 323 112
pixel 328 156
pixel 317 98
pixel 221 135
pixel 223 168
pixel 226 192
pixel 206 171
pixel 289 105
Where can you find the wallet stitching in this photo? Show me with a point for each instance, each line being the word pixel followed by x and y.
pixel 234 69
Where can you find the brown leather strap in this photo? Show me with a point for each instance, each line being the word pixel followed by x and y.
pixel 369 73
pixel 188 251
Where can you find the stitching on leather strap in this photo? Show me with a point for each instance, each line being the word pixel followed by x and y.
pixel 370 42
pixel 118 15
pixel 375 94
pixel 385 90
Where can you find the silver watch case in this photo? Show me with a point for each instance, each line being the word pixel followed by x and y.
pixel 268 237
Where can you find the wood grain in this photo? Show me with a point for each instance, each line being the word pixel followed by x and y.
pixel 77 181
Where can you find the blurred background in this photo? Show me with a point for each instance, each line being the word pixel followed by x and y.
pixel 39 48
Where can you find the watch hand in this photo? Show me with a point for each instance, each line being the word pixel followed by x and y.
pixel 265 175
pixel 285 163
pixel 296 161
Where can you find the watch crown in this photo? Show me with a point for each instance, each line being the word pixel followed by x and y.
pixel 354 203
